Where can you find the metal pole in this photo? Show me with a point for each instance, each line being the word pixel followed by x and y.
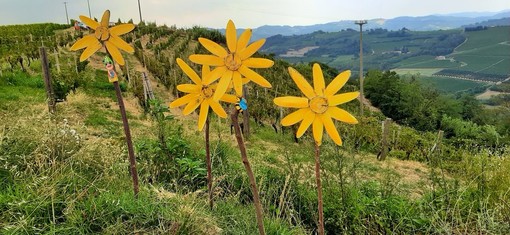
pixel 88 3
pixel 140 11
pixel 67 16
pixel 361 97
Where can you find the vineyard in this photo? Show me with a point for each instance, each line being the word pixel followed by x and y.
pixel 445 171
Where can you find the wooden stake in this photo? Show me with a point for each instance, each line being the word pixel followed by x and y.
pixel 127 132
pixel 319 188
pixel 47 80
pixel 57 61
pixel 208 161
pixel 247 166
pixel 384 141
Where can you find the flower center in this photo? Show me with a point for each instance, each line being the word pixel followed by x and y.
pixel 233 62
pixel 102 33
pixel 318 104
pixel 207 92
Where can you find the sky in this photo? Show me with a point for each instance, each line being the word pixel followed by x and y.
pixel 245 13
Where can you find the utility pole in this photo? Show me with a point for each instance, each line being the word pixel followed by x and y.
pixel 140 11
pixel 88 3
pixel 361 97
pixel 67 16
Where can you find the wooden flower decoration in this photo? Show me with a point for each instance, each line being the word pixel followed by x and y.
pixel 104 37
pixel 234 63
pixel 319 106
pixel 200 94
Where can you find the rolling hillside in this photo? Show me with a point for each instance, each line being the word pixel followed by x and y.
pixel 482 55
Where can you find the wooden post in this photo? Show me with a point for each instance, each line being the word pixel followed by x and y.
pixel 75 63
pixel 246 115
pixel 127 132
pixel 384 142
pixel 57 61
pixel 319 188
pixel 47 80
pixel 251 177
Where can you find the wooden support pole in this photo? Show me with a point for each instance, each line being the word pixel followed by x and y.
pixel 57 61
pixel 251 177
pixel 47 80
pixel 384 142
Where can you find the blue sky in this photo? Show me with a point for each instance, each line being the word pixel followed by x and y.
pixel 215 13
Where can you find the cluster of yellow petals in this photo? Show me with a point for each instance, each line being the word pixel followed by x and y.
pixel 319 106
pixel 200 94
pixel 233 65
pixel 104 37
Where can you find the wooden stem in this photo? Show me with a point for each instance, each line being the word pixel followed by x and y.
pixel 319 188
pixel 253 184
pixel 208 160
pixel 127 132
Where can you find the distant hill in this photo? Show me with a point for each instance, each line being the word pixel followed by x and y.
pixel 481 53
pixel 420 23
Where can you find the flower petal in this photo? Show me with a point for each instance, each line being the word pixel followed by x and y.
pixel 114 52
pixel 223 85
pixel 294 117
pixel 244 39
pixel 214 75
pixel 216 107
pixel 189 71
pixel 238 83
pixel 90 50
pixel 89 22
pixel 291 102
pixel 253 76
pixel 258 63
pixel 105 20
pixel 342 98
pixel 231 36
pixel 205 71
pixel 337 83
pixel 308 118
pixel 84 42
pixel 189 88
pixel 251 49
pixel 210 60
pixel 192 105
pixel 342 115
pixel 331 128
pixel 121 44
pixel 121 29
pixel 183 100
pixel 302 84
pixel 213 47
pixel 229 98
pixel 318 129
pixel 318 80
pixel 202 116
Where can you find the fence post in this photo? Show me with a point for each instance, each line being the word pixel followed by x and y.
pixel 47 80
pixel 384 142
pixel 57 61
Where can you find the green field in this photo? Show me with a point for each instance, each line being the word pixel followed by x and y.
pixel 445 84
pixel 486 51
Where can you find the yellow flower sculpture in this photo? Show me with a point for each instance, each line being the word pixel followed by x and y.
pixel 200 94
pixel 319 106
pixel 235 63
pixel 104 36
